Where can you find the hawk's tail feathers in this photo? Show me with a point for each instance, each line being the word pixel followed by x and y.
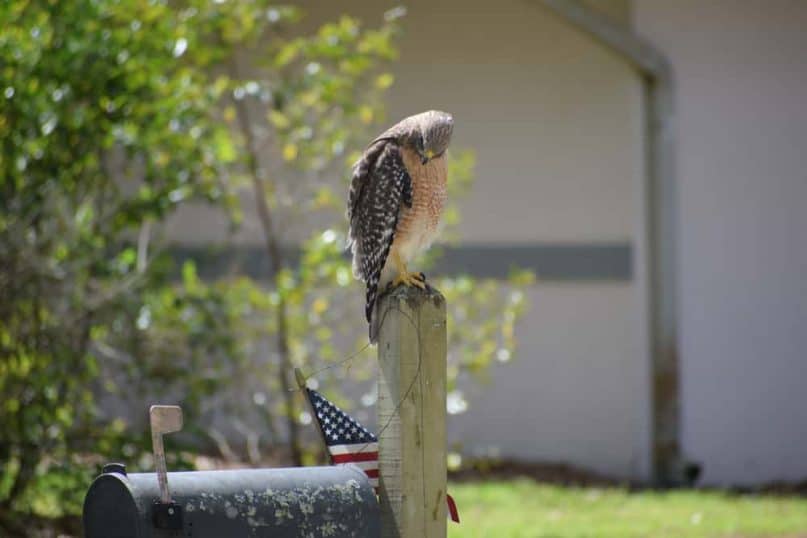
pixel 369 308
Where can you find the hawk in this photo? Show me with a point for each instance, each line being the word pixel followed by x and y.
pixel 396 200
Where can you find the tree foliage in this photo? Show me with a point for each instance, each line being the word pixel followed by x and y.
pixel 103 131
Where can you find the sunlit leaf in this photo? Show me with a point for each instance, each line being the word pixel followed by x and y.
pixel 290 151
pixel 384 80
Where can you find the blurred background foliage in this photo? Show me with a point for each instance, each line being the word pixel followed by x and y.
pixel 113 114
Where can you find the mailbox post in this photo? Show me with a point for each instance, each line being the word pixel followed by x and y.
pixel 412 413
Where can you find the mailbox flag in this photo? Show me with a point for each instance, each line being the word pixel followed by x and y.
pixel 350 442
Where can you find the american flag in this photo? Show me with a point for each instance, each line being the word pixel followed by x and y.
pixel 350 442
pixel 346 439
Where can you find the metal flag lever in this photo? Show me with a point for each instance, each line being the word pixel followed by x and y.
pixel 164 419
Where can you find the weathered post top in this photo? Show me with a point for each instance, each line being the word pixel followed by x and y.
pixel 412 413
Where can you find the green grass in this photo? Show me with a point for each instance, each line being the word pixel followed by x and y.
pixel 523 508
pixel 526 509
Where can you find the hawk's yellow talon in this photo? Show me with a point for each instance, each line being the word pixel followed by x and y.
pixel 409 279
pixel 405 277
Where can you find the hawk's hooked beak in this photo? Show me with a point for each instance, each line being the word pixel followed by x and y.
pixel 427 155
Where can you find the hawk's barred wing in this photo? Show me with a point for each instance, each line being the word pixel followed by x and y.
pixel 363 169
pixel 379 186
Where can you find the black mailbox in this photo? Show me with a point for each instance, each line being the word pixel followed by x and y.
pixel 311 502
pixel 295 502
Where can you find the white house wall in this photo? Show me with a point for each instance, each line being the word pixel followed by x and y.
pixel 741 110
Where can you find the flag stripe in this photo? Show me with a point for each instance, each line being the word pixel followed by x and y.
pixel 365 465
pixel 359 456
pixel 358 448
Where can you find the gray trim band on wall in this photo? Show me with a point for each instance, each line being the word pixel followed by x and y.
pixel 550 262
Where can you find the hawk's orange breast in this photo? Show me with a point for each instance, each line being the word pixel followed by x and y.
pixel 419 225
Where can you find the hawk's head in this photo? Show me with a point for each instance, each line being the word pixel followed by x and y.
pixel 431 133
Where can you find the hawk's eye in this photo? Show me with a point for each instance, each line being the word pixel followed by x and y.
pixel 419 142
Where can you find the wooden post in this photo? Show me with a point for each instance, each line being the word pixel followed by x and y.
pixel 412 413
